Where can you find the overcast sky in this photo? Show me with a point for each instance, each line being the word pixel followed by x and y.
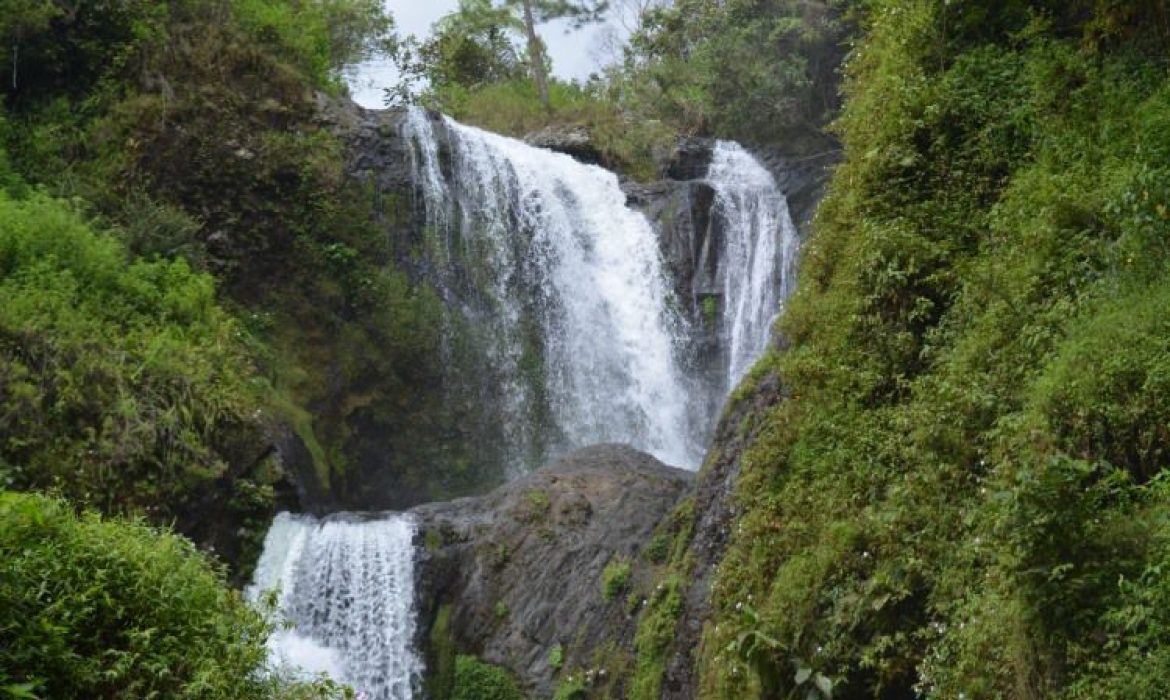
pixel 574 55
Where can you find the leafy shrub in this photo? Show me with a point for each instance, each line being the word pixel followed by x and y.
pixel 99 608
pixel 320 36
pixel 615 578
pixel 556 656
pixel 476 680
pixel 123 385
pixel 1103 394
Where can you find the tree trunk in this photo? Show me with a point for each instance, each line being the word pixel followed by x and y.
pixel 536 56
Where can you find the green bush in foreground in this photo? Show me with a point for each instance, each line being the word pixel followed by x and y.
pixel 97 608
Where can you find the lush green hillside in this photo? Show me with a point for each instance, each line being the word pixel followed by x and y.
pixel 194 130
pixel 123 384
pixel 963 495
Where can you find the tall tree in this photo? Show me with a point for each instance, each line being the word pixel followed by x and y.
pixel 471 46
pixel 533 12
pixel 468 48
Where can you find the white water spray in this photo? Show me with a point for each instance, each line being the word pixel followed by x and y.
pixel 347 587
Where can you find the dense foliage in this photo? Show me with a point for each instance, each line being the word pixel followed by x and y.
pixel 163 170
pixel 123 384
pixel 70 48
pixel 97 608
pixel 759 71
pixel 196 135
pixel 964 494
pixel 476 680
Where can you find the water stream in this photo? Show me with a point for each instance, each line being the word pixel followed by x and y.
pixel 567 288
pixel 759 257
pixel 347 586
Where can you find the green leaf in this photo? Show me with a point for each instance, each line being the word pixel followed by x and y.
pixel 22 690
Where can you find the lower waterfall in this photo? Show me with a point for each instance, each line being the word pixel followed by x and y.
pixel 347 587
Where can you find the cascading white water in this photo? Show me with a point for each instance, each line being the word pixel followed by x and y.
pixel 760 251
pixel 541 254
pixel 347 587
pixel 547 254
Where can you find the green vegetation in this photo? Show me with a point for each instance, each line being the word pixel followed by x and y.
pixel 760 71
pixel 572 688
pixel 192 131
pixel 441 656
pixel 656 632
pixel 964 494
pixel 658 610
pixel 615 578
pixel 500 610
pixel 123 385
pixel 100 608
pixel 556 656
pixel 475 45
pixel 538 504
pixel 476 680
pixel 80 52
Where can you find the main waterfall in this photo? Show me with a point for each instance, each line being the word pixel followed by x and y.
pixel 565 286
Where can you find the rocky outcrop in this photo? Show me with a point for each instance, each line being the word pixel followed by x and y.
pixel 571 139
pixel 517 573
pixel 803 179
pixel 375 153
pixel 714 514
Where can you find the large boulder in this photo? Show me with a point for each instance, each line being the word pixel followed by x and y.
pixel 515 574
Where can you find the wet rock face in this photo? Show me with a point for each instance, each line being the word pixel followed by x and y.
pixel 572 140
pixel 376 153
pixel 715 513
pixel 514 574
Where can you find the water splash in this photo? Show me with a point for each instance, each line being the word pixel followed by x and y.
pixel 348 589
pixel 760 253
pixel 567 288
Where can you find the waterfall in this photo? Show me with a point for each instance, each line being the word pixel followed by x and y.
pixel 573 338
pixel 759 257
pixel 347 587
pixel 566 287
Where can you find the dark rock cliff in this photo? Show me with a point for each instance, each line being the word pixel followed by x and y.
pixel 514 574
pixel 714 509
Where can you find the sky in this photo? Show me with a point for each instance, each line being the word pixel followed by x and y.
pixel 574 54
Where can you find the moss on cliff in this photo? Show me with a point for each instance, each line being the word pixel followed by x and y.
pixel 963 494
